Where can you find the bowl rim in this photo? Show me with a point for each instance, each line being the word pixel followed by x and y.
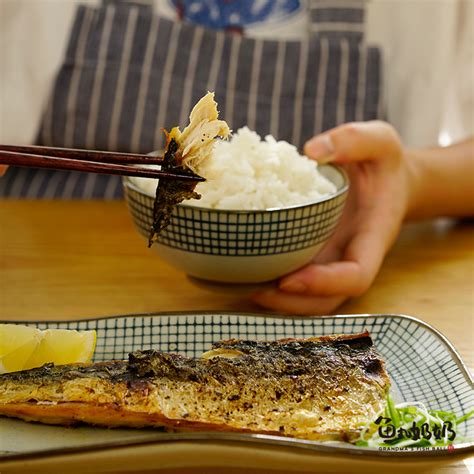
pixel 127 182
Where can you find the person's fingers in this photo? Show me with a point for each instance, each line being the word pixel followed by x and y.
pixel 320 148
pixel 358 141
pixel 336 278
pixel 334 248
pixel 280 301
pixel 351 276
pixel 331 252
pixel 3 169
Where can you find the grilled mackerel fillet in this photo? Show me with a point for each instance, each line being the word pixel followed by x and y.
pixel 317 388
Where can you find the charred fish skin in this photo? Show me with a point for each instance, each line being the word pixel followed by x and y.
pixel 169 193
pixel 112 370
pixel 260 358
pixel 319 388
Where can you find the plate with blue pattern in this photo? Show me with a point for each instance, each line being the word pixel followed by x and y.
pixel 421 362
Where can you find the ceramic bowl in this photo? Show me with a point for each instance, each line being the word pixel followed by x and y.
pixel 240 246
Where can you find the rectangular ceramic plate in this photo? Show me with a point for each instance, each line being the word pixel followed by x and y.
pixel 421 362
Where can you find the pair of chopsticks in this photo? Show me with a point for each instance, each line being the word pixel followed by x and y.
pixel 105 162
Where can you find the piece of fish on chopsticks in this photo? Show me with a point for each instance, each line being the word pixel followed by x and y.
pixel 184 152
pixel 318 388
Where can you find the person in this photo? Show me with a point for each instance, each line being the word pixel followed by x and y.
pixel 391 181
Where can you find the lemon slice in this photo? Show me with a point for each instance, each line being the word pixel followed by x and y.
pixel 23 347
pixel 13 336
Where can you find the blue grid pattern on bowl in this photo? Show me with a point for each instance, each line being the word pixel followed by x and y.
pixel 239 233
pixel 421 363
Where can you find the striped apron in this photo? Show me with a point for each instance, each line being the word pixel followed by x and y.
pixel 128 73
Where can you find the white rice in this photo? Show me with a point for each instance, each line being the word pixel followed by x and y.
pixel 246 173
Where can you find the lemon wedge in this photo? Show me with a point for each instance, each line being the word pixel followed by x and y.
pixel 13 336
pixel 17 344
pixel 24 347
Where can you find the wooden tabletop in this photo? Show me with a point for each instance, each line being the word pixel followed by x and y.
pixel 69 260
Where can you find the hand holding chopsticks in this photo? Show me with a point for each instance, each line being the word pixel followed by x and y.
pixel 104 162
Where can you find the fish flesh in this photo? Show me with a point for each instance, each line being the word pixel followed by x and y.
pixel 320 388
pixel 184 152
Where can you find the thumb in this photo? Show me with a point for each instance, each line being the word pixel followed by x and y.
pixel 358 141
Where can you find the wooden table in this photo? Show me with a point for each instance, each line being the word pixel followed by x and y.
pixel 70 260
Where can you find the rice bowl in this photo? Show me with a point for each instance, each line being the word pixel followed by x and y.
pixel 241 246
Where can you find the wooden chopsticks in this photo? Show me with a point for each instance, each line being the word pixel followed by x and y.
pixel 91 161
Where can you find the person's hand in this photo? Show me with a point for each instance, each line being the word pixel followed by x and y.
pixel 372 154
pixel 3 169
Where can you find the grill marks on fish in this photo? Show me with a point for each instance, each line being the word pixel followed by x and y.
pixel 318 388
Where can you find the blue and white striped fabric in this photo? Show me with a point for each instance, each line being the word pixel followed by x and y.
pixel 128 73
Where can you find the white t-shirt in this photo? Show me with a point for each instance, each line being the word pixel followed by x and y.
pixel 427 45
